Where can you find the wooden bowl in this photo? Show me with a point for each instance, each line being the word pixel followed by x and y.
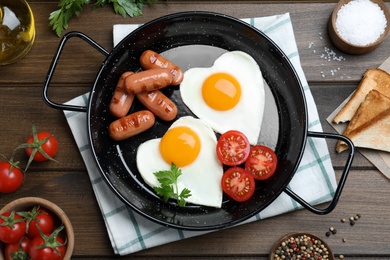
pixel 347 47
pixel 273 254
pixel 59 216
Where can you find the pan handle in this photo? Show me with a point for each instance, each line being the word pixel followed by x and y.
pixel 53 65
pixel 342 180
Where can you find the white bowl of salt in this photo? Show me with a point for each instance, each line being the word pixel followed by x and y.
pixel 359 26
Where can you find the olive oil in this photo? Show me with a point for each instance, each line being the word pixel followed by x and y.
pixel 17 30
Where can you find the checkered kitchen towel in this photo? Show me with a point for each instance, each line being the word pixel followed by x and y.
pixel 314 180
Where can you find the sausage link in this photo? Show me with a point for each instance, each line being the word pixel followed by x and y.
pixel 131 125
pixel 159 104
pixel 152 60
pixel 148 80
pixel 121 100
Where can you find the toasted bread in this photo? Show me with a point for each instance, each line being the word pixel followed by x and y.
pixel 375 135
pixel 373 78
pixel 370 126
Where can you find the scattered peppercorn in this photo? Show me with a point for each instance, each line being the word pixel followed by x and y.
pixel 343 220
pixel 327 233
pixel 341 256
pixel 352 222
pixel 344 240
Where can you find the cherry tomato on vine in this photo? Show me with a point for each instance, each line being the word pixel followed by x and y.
pixel 40 146
pixel 38 218
pixel 262 162
pixel 45 143
pixel 11 177
pixel 238 184
pixel 17 250
pixel 12 227
pixel 48 246
pixel 233 148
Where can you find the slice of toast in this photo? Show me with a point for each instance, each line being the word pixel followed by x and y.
pixel 374 136
pixel 373 78
pixel 370 126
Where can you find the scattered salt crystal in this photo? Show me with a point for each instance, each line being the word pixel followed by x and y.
pixel 360 22
pixel 330 55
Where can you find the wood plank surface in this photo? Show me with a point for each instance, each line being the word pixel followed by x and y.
pixel 66 182
pixel 312 40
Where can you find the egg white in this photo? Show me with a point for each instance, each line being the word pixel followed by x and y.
pixel 202 177
pixel 247 115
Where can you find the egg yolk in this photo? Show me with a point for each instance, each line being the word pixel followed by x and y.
pixel 180 145
pixel 221 91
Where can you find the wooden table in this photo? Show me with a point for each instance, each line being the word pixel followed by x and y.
pixel 66 183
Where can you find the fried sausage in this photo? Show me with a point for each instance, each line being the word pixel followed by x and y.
pixel 152 60
pixel 159 104
pixel 148 80
pixel 121 101
pixel 131 125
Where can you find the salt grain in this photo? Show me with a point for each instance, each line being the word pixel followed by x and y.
pixel 360 22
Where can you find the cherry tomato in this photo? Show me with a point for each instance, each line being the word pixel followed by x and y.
pixel 12 227
pixel 262 162
pixel 38 217
pixel 238 184
pixel 11 177
pixel 38 142
pixel 17 250
pixel 48 246
pixel 233 148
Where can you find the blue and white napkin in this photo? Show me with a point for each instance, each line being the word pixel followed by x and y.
pixel 314 180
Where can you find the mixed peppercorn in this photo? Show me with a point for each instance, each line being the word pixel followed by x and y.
pixel 304 247
pixel 308 247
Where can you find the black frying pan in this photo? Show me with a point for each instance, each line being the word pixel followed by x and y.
pixel 196 39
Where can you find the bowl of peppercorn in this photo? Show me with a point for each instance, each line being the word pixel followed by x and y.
pixel 359 26
pixel 301 245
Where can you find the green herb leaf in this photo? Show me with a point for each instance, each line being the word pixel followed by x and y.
pixel 124 7
pixel 99 3
pixel 59 19
pixel 185 193
pixel 168 186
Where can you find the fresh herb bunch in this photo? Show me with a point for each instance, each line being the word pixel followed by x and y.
pixel 59 18
pixel 168 188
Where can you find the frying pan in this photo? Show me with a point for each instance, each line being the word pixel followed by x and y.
pixel 193 39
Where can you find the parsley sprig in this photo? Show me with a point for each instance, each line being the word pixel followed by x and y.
pixel 67 8
pixel 168 186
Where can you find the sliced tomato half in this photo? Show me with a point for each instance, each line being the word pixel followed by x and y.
pixel 262 162
pixel 233 148
pixel 238 184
